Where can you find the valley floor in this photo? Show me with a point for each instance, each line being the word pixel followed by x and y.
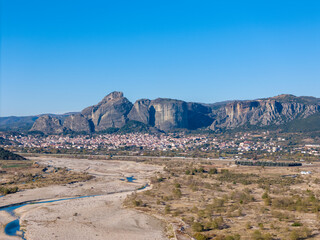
pixel 99 217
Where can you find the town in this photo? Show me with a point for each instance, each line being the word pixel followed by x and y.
pixel 237 146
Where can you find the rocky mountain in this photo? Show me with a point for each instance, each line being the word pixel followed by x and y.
pixel 78 123
pixel 199 115
pixel 24 123
pixel 277 110
pixel 141 112
pixel 112 112
pixel 164 114
pixel 169 114
pixel 47 125
pixel 116 112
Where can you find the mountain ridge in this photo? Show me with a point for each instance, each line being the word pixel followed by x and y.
pixel 165 114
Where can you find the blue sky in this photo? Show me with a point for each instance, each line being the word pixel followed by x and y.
pixel 62 55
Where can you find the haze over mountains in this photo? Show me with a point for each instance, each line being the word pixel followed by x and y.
pixel 116 112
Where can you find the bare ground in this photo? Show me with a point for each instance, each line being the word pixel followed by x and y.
pixel 98 217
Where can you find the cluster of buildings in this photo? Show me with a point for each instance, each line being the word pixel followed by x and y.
pixel 311 149
pixel 237 144
pixel 108 141
pixel 245 143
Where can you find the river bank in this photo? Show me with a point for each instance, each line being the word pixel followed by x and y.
pixel 98 217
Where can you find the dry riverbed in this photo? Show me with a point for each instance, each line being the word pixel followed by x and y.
pixel 97 217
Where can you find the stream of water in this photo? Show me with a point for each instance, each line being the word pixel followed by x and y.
pixel 129 179
pixel 13 227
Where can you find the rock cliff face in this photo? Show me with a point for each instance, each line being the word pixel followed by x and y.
pixel 77 123
pixel 162 113
pixel 141 111
pixel 168 114
pixel 263 112
pixel 115 111
pixel 112 111
pixel 47 125
pixel 199 116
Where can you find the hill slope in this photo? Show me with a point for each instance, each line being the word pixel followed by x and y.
pixel 7 155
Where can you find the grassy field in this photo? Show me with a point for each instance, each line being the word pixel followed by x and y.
pixel 219 200
pixel 15 164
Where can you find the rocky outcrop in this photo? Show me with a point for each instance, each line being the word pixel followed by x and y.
pixel 47 125
pixel 168 114
pixel 77 123
pixel 199 116
pixel 263 112
pixel 141 111
pixel 112 111
pixel 162 113
pixel 115 111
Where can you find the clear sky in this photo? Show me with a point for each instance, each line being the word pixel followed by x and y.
pixel 63 55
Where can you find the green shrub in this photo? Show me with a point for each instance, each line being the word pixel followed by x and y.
pixel 7 190
pixel 265 195
pixel 167 209
pixel 257 235
pixel 199 236
pixel 213 171
pixel 177 192
pixel 233 237
pixel 296 224
pixel 197 227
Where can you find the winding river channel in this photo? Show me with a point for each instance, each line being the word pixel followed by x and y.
pixel 83 210
pixel 13 227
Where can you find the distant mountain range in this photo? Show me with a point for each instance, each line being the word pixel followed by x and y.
pixel 25 123
pixel 116 113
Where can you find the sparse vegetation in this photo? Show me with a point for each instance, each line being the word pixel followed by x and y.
pixel 234 202
pixel 24 174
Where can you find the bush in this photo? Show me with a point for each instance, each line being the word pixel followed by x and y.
pixel 217 223
pixel 294 235
pixel 5 190
pixel 137 203
pixel 296 224
pixel 267 201
pixel 241 197
pixel 265 195
pixel 228 237
pixel 233 237
pixel 218 202
pixel 257 235
pixel 197 227
pixel 213 171
pixel 167 209
pixel 261 226
pixel 177 192
pixel 248 225
pixel 306 232
pixel 199 236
